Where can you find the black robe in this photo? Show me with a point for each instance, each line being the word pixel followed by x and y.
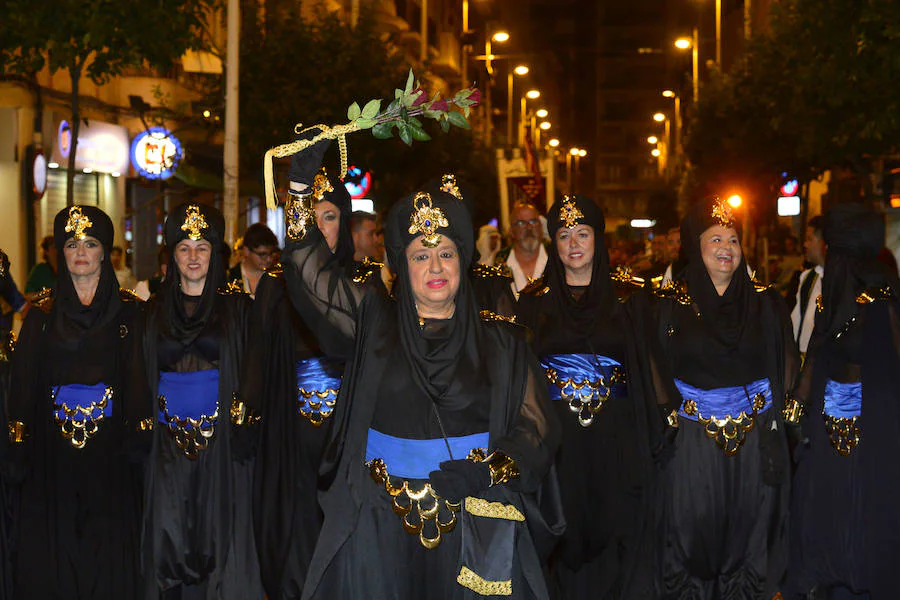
pixel 606 471
pixel 197 530
pixel 79 523
pixel 724 518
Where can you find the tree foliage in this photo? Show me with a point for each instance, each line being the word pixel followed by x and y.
pixel 812 92
pixel 98 40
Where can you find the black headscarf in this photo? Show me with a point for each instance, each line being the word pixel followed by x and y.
pixel 445 365
pixel 327 187
pixel 724 316
pixel 854 235
pixel 600 296
pixel 72 318
pixel 194 221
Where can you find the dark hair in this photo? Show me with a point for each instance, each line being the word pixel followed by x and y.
pixel 162 256
pixel 817 224
pixel 358 217
pixel 259 235
pixel 46 242
pixel 116 249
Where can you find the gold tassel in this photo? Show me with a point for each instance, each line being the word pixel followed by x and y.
pixel 269 179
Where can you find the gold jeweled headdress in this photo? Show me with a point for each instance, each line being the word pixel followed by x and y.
pixel 569 213
pixel 194 222
pixel 426 219
pixel 77 222
pixel 723 213
pixel 448 185
pixel 321 185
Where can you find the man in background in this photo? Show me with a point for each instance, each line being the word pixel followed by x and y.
pixel 43 275
pixel 123 273
pixel 363 230
pixel 259 251
pixel 810 287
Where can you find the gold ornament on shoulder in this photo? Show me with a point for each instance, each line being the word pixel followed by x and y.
pixel 194 222
pixel 78 222
pixel 569 213
pixel 426 219
pixel 448 185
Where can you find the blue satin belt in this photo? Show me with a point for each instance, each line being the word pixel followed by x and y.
pixel 184 396
pixel 586 376
pixel 719 403
pixel 317 389
pixel 79 409
pixel 416 459
pixel 843 400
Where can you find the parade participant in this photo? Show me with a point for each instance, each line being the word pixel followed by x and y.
pixel 729 347
pixel 599 379
pixel 844 529
pixel 71 399
pixel 809 286
pixel 197 532
pixel 431 383
pixel 293 387
pixel 259 250
pixel 526 258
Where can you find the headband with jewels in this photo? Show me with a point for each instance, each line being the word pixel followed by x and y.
pixel 78 223
pixel 426 219
pixel 569 213
pixel 448 185
pixel 194 222
pixel 722 213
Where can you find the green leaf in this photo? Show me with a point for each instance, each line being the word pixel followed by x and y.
pixel 458 120
pixel 405 133
pixel 432 114
pixel 353 112
pixel 370 111
pixel 445 125
pixel 466 111
pixel 364 123
pixel 416 122
pixel 382 131
pixel 404 114
pixel 410 81
pixel 418 133
pixel 398 94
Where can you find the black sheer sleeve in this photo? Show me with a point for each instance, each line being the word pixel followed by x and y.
pixel 27 374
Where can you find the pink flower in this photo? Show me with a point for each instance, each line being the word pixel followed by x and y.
pixel 421 98
pixel 439 105
pixel 474 96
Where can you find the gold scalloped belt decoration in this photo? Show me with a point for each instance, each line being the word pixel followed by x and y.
pixel 729 432
pixel 79 431
pixel 844 433
pixel 319 410
pixel 190 435
pixel 586 398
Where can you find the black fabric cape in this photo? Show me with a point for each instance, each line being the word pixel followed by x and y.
pixel 78 527
pixel 197 524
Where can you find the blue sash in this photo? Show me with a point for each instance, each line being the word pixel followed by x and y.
pixel 317 391
pixel 193 395
pixel 719 403
pixel 416 459
pixel 77 402
pixel 843 400
pixel 583 376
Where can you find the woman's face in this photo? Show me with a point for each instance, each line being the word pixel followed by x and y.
pixel 192 258
pixel 328 218
pixel 721 252
pixel 576 249
pixel 434 276
pixel 83 257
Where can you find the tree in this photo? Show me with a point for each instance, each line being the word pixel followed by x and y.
pixel 812 93
pixel 97 40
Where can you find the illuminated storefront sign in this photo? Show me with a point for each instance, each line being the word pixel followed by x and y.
pixel 155 153
pixel 357 182
pixel 102 147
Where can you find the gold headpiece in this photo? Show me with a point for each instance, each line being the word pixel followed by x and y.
pixel 77 222
pixel 426 219
pixel 569 213
pixel 723 214
pixel 194 223
pixel 321 185
pixel 448 186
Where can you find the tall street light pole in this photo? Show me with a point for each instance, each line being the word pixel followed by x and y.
pixel 464 67
pixel 521 71
pixel 693 43
pixel 230 190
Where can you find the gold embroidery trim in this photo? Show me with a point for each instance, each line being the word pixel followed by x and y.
pixel 844 433
pixel 190 435
pixel 492 510
pixel 240 414
pixel 490 317
pixel 311 409
pixel 77 222
pixel 365 269
pixel 426 219
pixel 300 215
pixel 146 424
pixel 502 467
pixel 585 398
pixel 471 580
pixel 675 290
pixel 194 222
pixel 873 294
pixel 17 432
pixel 80 431
pixel 792 410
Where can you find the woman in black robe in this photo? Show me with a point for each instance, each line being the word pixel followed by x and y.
pixel 437 407
pixel 729 347
pixel 197 531
pixel 601 381
pixel 845 529
pixel 70 407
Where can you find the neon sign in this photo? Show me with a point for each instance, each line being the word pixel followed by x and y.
pixel 357 182
pixel 156 153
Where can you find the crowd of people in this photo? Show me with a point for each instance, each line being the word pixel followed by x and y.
pixel 460 420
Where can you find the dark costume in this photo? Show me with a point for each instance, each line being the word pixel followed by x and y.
pixel 845 529
pixel 417 397
pixel 599 379
pixel 70 409
pixel 8 493
pixel 723 496
pixel 197 532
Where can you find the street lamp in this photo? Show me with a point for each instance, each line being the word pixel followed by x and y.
pixel 542 113
pixel 553 143
pixel 659 117
pixel 652 139
pixel 545 125
pixel 500 36
pixel 678 149
pixel 668 94
pixel 656 152
pixel 533 94
pixel 692 43
pixel 581 153
pixel 735 201
pixel 521 71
